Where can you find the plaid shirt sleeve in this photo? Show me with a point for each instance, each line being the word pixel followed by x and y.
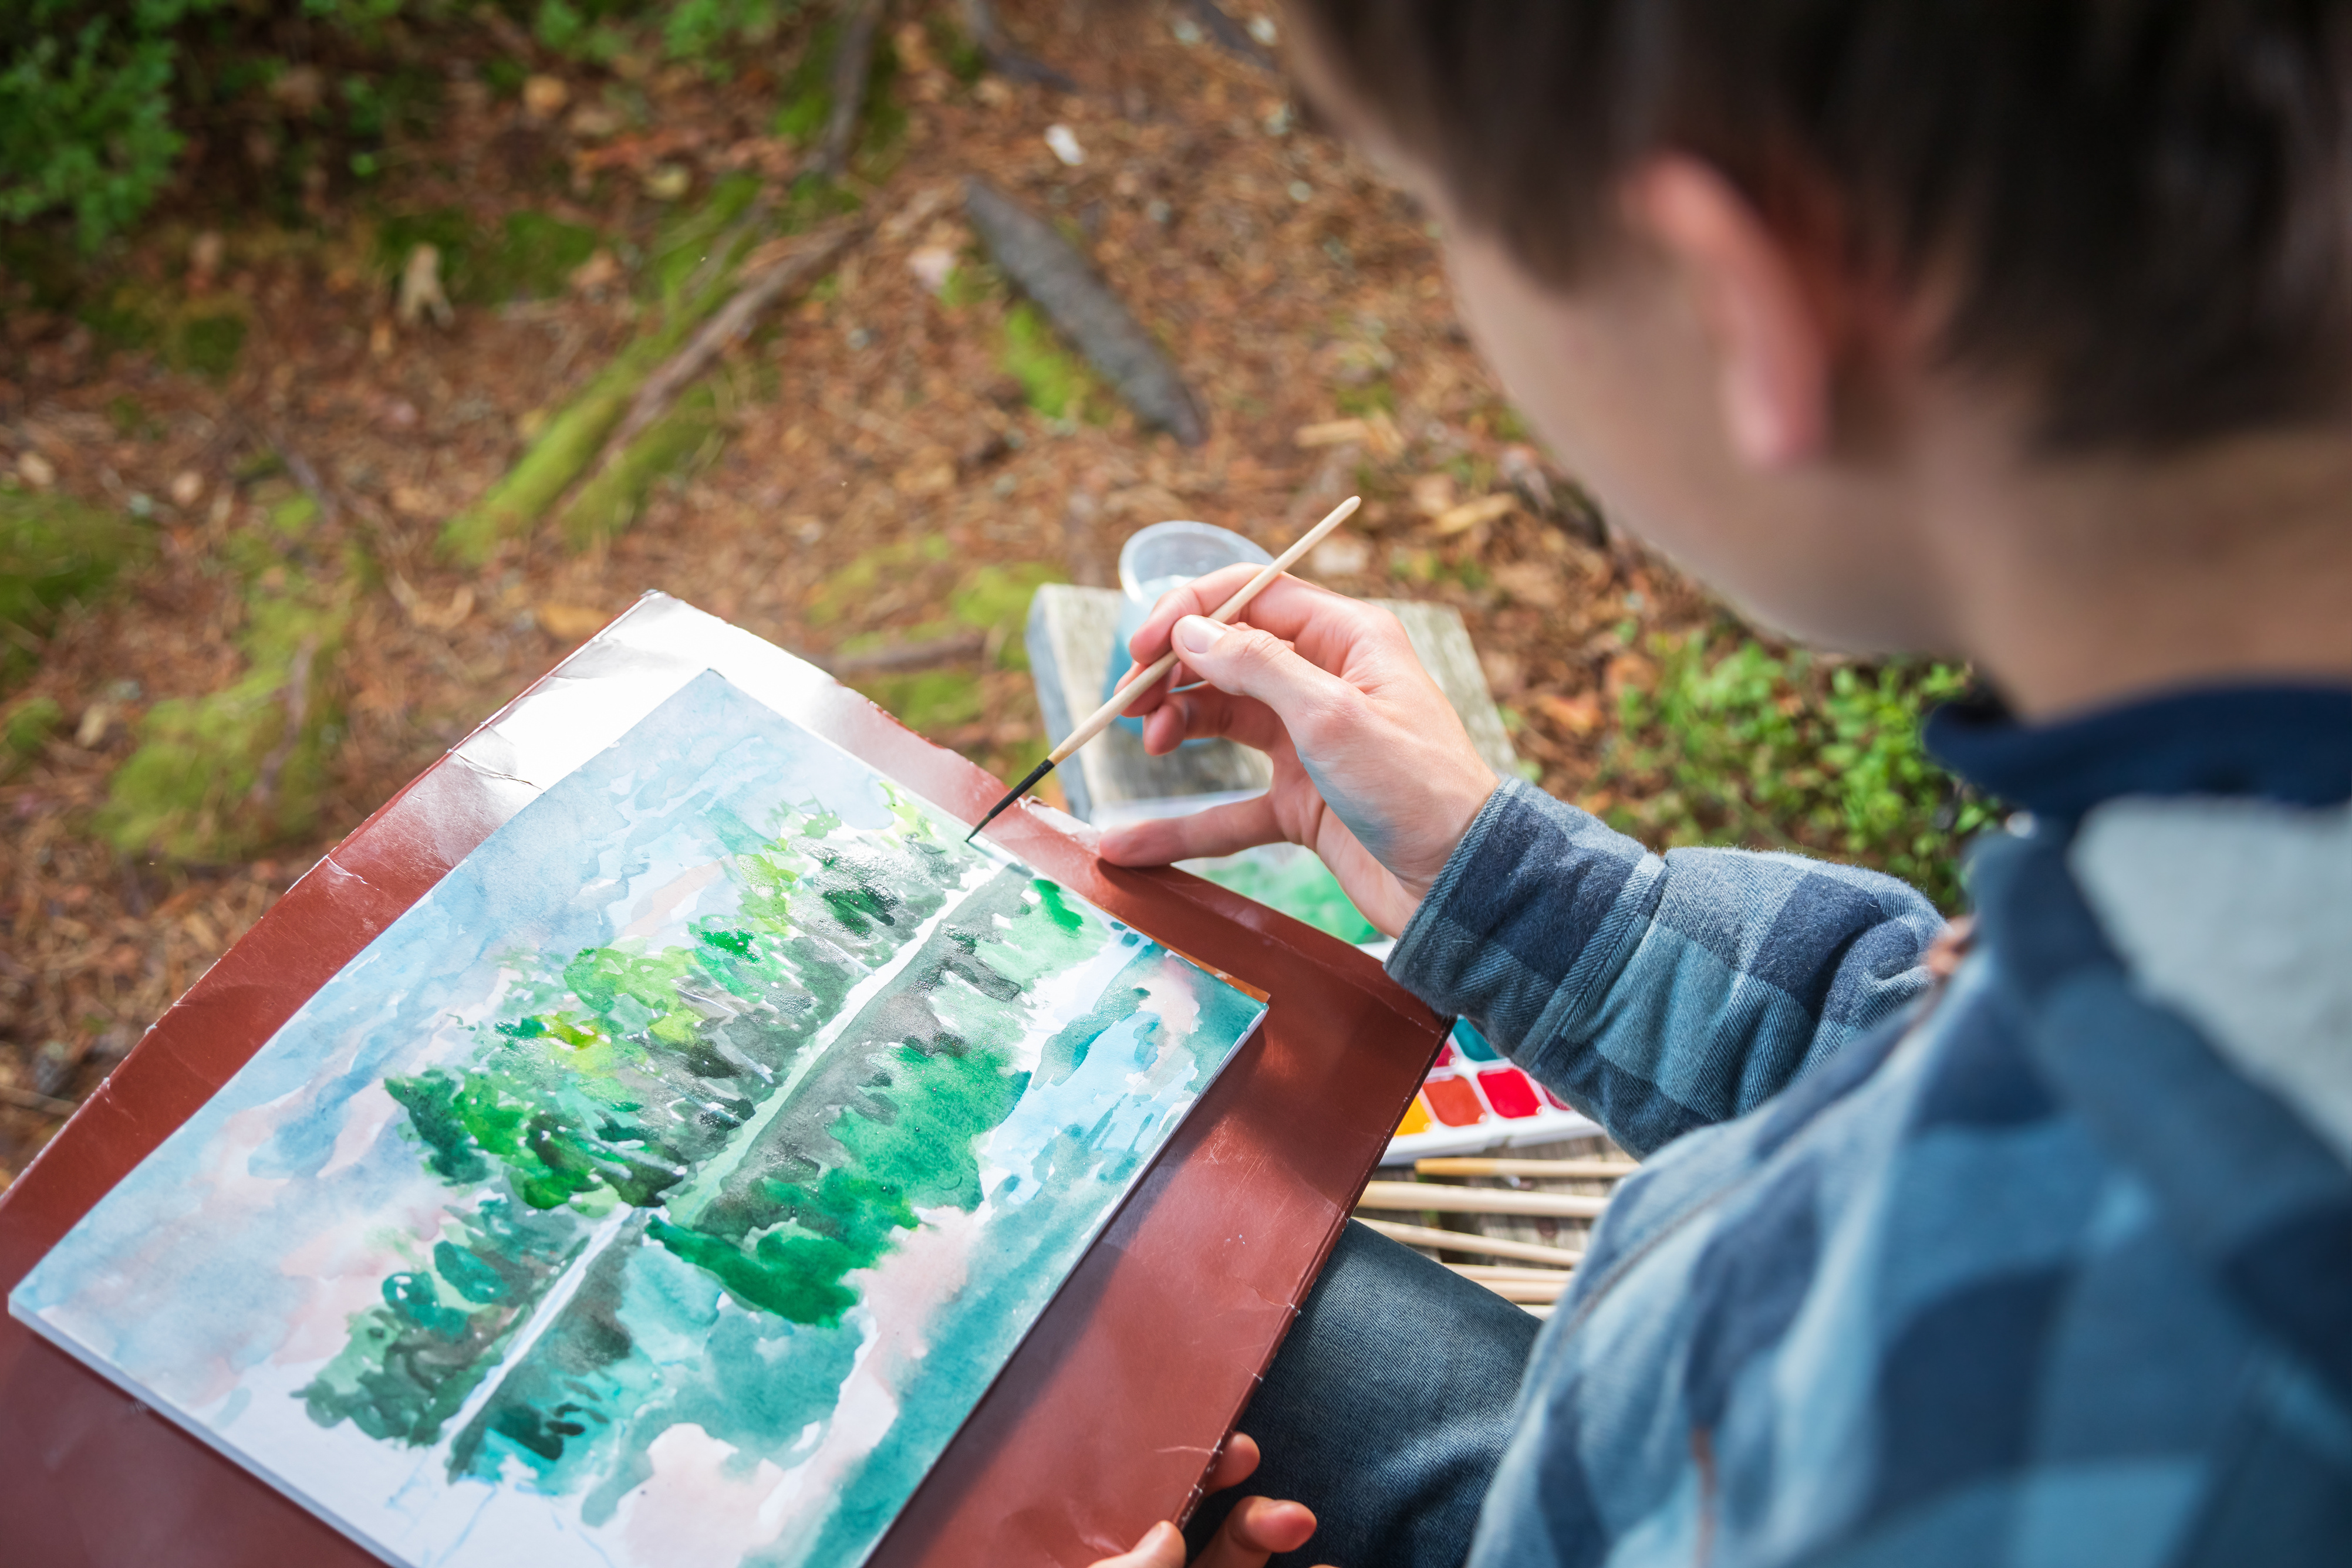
pixel 1657 993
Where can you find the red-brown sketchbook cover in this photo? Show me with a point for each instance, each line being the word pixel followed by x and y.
pixel 1107 1417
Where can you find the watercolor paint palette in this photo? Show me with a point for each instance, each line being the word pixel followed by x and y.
pixel 1473 1100
pixel 668 1185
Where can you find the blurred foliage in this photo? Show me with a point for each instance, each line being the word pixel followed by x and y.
pixel 25 727
pixel 1735 741
pixel 99 98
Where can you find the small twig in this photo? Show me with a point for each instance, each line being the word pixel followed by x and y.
pixel 904 656
pixel 298 708
pixel 26 1099
pixel 299 469
pixel 853 63
pixel 1230 35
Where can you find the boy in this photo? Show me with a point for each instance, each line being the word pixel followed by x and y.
pixel 2017 331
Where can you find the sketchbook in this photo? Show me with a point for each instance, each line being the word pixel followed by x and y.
pixel 668 1185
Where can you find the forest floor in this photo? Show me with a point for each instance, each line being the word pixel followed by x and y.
pixel 884 475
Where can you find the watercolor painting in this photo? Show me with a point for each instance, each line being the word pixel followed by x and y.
pixel 667 1186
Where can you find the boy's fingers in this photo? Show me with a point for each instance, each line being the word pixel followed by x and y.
pixel 1246 661
pixel 1257 1529
pixel 1219 831
pixel 1209 714
pixel 1235 1465
pixel 1163 1546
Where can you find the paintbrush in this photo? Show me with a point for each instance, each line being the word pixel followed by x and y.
pixel 1141 682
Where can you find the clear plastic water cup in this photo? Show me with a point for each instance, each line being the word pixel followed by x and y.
pixel 1156 559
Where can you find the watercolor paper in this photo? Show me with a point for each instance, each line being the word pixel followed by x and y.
pixel 668 1185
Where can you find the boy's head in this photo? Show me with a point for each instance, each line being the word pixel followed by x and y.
pixel 1772 271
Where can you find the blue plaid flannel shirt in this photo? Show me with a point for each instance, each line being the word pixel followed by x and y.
pixel 2048 1265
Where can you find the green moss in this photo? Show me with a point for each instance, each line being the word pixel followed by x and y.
pixel 996 599
pixel 292 516
pixel 846 590
pixel 928 701
pixel 54 551
pixel 26 729
pixel 218 776
pixel 685 244
pixel 209 344
pixel 970 283
pixel 1377 397
pixel 531 256
pixel 679 441
pixel 127 418
pixel 1056 382
pixel 955 50
pixel 535 257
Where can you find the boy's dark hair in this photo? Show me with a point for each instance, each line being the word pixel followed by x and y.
pixel 2147 205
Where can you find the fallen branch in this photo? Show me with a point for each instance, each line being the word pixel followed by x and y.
pixel 904 656
pixel 853 63
pixel 761 288
pixel 26 1099
pixel 1093 318
pixel 988 37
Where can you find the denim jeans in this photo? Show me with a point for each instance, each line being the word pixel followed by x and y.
pixel 1386 1410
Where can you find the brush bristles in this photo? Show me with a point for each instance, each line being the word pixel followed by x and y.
pixel 1036 774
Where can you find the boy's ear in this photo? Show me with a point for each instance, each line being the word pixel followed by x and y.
pixel 1774 358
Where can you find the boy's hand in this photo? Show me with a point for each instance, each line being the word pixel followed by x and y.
pixel 1256 1529
pixel 1373 770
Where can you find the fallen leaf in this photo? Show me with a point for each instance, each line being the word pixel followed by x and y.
pixel 1433 495
pixel 571 622
pixel 596 275
pixel 1339 557
pixel 1332 433
pixel 1531 582
pixel 1505 676
pixel 543 96
pixel 1470 514
pixel 930 265
pixel 1579 715
pixel 301 88
pixel 593 122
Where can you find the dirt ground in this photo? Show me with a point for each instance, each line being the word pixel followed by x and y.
pixel 879 458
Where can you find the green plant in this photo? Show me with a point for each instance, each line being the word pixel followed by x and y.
pixel 1791 750
pixel 86 108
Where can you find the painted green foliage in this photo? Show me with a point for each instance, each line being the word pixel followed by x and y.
pixel 693 1097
